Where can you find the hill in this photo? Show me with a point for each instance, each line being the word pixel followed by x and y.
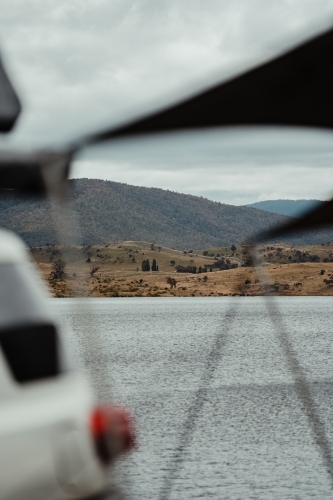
pixel 109 211
pixel 109 270
pixel 291 208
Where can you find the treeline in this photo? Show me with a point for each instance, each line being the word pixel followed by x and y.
pixel 145 266
pixel 105 211
pixel 102 211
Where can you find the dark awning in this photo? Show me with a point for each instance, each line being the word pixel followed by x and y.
pixel 9 104
pixel 319 217
pixel 292 89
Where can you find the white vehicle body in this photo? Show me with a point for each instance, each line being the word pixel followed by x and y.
pixel 47 450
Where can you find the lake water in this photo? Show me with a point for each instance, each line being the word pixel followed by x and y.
pixel 245 434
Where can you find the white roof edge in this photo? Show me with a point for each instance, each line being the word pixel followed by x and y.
pixel 12 248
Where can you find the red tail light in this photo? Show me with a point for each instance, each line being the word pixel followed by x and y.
pixel 113 431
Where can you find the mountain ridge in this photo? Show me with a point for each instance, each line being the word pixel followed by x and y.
pixel 111 211
pixel 290 208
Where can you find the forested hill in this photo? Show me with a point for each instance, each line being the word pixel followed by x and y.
pixel 292 208
pixel 110 211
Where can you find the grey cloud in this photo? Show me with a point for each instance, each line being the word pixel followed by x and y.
pixel 239 145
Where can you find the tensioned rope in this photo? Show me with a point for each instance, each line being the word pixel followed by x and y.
pixel 194 410
pixel 95 349
pixel 301 385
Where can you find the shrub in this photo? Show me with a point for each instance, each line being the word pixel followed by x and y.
pixel 58 269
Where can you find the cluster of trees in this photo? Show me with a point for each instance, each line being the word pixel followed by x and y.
pixel 305 256
pixel 186 269
pixel 154 266
pixel 224 264
pixel 204 269
pixel 145 266
pixel 58 270
pixel 295 256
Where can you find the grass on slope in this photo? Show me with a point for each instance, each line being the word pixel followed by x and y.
pixel 292 271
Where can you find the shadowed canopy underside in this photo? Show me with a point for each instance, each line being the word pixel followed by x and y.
pixel 294 89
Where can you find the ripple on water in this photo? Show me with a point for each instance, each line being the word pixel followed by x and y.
pixel 251 438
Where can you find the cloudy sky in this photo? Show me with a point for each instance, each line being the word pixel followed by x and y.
pixel 79 65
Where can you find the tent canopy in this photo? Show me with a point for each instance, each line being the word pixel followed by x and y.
pixel 292 89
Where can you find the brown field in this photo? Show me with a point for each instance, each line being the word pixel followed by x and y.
pixel 285 270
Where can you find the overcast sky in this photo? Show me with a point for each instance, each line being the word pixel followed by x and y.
pixel 82 64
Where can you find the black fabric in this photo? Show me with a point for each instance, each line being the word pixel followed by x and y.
pixel 321 216
pixel 33 174
pixel 25 179
pixel 292 89
pixel 31 351
pixel 10 106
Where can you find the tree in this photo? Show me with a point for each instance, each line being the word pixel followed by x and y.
pixel 205 252
pixel 58 270
pixel 172 282
pixel 172 262
pixel 233 248
pixel 186 269
pixel 154 265
pixel 200 269
pixel 145 266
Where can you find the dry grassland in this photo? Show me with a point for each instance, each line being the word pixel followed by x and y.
pixel 119 271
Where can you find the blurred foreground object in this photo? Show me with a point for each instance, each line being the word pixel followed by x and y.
pixel 10 106
pixel 113 430
pixel 47 444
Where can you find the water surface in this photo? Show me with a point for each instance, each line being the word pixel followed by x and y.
pixel 249 437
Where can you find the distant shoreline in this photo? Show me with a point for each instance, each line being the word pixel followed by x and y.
pixel 115 270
